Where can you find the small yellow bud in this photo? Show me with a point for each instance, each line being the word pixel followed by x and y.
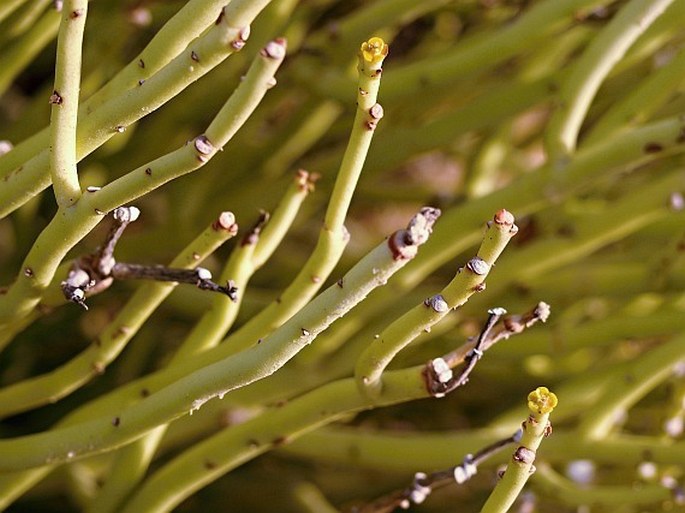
pixel 541 400
pixel 374 50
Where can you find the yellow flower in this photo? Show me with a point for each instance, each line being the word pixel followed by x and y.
pixel 374 50
pixel 541 400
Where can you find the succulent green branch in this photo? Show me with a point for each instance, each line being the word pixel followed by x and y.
pixel 642 102
pixel 71 225
pixel 213 457
pixel 201 56
pixel 648 371
pixel 333 236
pixel 590 71
pixel 65 101
pixel 23 50
pixel 541 402
pixel 188 393
pixel 469 279
pixel 48 388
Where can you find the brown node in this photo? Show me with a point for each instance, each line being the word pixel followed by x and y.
pixel 653 147
pixel 148 171
pixel 116 421
pixel 55 98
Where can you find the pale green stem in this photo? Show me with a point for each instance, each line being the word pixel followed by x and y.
pixel 485 170
pixel 536 190
pixel 65 100
pixel 129 468
pixel 520 467
pixel 311 499
pixel 405 452
pixel 333 236
pixel 642 102
pixel 302 138
pixel 590 71
pixel 171 39
pixel 27 17
pixel 567 492
pixel 9 6
pixel 469 280
pixel 202 55
pixel 51 387
pixel 627 388
pixel 22 51
pixel 70 225
pixel 189 392
pixel 533 27
pixel 223 311
pixel 217 455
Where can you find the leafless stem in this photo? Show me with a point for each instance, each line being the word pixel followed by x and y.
pixel 424 484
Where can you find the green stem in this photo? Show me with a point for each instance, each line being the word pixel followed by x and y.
pixel 540 403
pixel 628 387
pixel 22 51
pixel 72 224
pixel 65 100
pixel 8 7
pixel 50 387
pixel 469 279
pixel 202 55
pixel 188 393
pixel 591 70
pixel 567 492
pixel 333 236
pixel 642 102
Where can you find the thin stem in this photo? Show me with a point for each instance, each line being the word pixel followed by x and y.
pixel 590 71
pixel 188 393
pixel 22 51
pixel 642 102
pixel 469 279
pixel 333 236
pixel 71 225
pixel 540 403
pixel 202 55
pixel 65 100
pixel 92 362
pixel 425 484
pixel 628 387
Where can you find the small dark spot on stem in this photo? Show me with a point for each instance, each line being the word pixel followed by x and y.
pixel 97 342
pixel 221 17
pixel 141 63
pixel 121 331
pixel 279 440
pixel 653 147
pixel 56 98
pixel 28 272
pixel 194 57
pixel 480 287
pixel 305 332
pixel 141 81
pixel 120 129
pixel 210 465
pixel 116 421
pixel 148 171
pixel 279 300
pixel 76 14
pixel 144 392
pixel 340 283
